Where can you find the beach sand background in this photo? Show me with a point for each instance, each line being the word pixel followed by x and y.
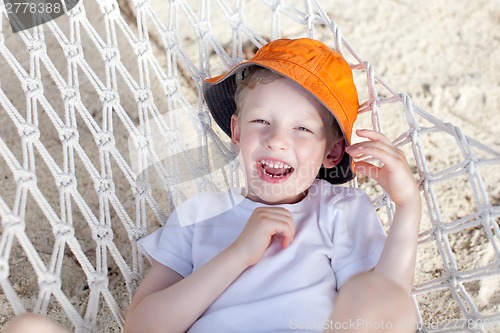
pixel 443 54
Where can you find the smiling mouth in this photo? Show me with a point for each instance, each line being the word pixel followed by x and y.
pixel 275 169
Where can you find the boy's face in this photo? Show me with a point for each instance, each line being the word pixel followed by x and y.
pixel 283 141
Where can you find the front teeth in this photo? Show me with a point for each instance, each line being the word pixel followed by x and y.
pixel 277 165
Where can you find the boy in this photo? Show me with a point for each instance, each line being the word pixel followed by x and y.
pixel 273 256
pixel 289 252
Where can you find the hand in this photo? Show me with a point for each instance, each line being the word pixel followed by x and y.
pixel 262 226
pixel 394 175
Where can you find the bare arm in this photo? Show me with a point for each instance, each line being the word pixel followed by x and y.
pixel 166 302
pixel 158 307
pixel 397 261
pixel 398 258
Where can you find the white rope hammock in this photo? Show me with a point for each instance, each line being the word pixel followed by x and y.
pixel 104 132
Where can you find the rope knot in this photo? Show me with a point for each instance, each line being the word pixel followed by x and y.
pixel 138 4
pixel 110 10
pixel 471 164
pixel 205 121
pixel 276 6
pixel 99 281
pixel 203 181
pixel 170 86
pixel 105 185
pixel 142 48
pixel 25 178
pixel 452 280
pixel 102 232
pixel 87 326
pixel 70 95
pixel 73 52
pixel 32 86
pixel 111 55
pixel 142 95
pixel 171 40
pixel 142 141
pixel 76 12
pixel 13 224
pixel 29 132
pixel 69 134
pixel 49 281
pixel 170 136
pixel 109 96
pixel 139 191
pixel 203 28
pixel 66 182
pixel 4 269
pixel 134 281
pixel 201 171
pixel 104 140
pixel 35 47
pixel 236 19
pixel 137 233
pixel 64 231
pixel 171 180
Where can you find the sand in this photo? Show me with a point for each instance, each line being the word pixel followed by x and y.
pixel 443 54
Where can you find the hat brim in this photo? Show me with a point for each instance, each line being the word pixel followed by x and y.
pixel 219 95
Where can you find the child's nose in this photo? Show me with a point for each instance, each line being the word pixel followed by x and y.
pixel 277 140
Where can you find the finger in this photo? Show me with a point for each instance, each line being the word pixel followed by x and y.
pixel 373 135
pixel 376 140
pixel 280 210
pixel 280 214
pixel 284 226
pixel 287 236
pixel 371 148
pixel 274 211
pixel 386 154
pixel 286 241
pixel 280 221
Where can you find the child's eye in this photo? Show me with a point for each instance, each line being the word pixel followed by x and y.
pixel 260 121
pixel 304 129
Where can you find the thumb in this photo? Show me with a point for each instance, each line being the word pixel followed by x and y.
pixel 286 241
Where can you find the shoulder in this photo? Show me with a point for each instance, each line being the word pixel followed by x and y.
pixel 206 205
pixel 342 206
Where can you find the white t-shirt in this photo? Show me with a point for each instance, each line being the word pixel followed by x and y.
pixel 338 234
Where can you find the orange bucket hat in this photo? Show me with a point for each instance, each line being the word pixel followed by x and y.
pixel 314 66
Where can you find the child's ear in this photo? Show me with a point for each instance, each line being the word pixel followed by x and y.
pixel 235 129
pixel 335 154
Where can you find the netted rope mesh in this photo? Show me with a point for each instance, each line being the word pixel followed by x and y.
pixel 105 132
